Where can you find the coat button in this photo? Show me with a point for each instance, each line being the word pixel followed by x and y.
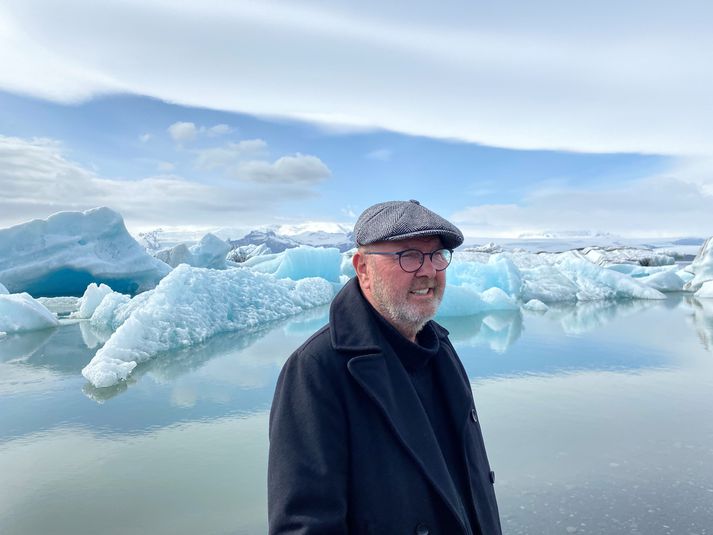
pixel 473 416
pixel 422 529
pixel 492 477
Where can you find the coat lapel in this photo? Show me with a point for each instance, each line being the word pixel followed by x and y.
pixel 386 382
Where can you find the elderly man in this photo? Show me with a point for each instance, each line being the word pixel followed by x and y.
pixel 373 427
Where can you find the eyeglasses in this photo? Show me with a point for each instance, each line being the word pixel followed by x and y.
pixel 411 260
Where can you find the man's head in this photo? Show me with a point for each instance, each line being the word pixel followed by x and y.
pixel 400 287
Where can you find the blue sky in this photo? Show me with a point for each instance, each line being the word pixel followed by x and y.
pixel 244 114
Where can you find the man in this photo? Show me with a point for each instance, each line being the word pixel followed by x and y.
pixel 373 428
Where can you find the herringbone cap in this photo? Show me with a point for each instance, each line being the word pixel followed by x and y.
pixel 398 220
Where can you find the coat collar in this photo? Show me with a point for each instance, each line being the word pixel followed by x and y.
pixel 375 367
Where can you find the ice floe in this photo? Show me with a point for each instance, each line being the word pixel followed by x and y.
pixel 61 255
pixel 299 263
pixel 20 312
pixel 192 304
pixel 701 267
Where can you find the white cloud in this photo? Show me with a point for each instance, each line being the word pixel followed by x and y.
pixel 219 130
pixel 183 132
pixel 300 168
pixel 230 155
pixel 36 180
pixel 383 155
pixel 166 167
pixel 604 77
pixel 144 137
pixel 654 207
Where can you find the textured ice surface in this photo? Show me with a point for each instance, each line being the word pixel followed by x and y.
pixel 664 281
pixel 189 306
pixel 536 305
pixel 299 263
pixel 701 267
pixel 209 252
pixel 93 295
pixel 20 312
pixel 706 290
pixel 3 290
pixel 61 255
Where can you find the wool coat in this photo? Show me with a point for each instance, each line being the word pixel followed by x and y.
pixel 352 450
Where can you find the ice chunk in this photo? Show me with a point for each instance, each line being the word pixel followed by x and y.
pixel 3 290
pixel 548 284
pixel 664 281
pixel 192 304
pixel 595 282
pixel 499 272
pixel 20 312
pixel 209 252
pixel 701 267
pixel 300 263
pixel 705 291
pixel 93 295
pixel 536 305
pixel 64 253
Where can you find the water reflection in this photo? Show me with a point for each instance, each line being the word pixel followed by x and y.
pixel 497 330
pixel 703 320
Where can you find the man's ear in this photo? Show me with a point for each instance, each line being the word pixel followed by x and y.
pixel 362 271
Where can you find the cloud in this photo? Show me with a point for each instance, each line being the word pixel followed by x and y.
pixel 183 132
pixel 166 167
pixel 383 155
pixel 230 155
pixel 661 206
pixel 604 77
pixel 144 137
pixel 218 130
pixel 296 169
pixel 36 180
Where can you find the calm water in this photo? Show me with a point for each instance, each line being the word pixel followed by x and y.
pixel 597 419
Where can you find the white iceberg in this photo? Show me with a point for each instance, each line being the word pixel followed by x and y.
pixel 61 255
pixel 209 252
pixel 91 299
pixel 705 291
pixel 664 281
pixel 192 304
pixel 701 267
pixel 20 312
pixel 536 305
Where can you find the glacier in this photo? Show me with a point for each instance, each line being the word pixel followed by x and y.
pixel 192 304
pixel 61 255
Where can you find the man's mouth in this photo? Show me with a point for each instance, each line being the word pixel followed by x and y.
pixel 424 291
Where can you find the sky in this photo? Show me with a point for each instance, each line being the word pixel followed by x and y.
pixel 509 118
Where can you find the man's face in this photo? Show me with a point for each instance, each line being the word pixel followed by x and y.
pixel 407 300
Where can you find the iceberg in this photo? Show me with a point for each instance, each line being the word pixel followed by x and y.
pixel 209 252
pixel 61 255
pixel 299 263
pixel 20 312
pixel 705 291
pixel 3 290
pixel 91 299
pixel 664 281
pixel 189 306
pixel 701 267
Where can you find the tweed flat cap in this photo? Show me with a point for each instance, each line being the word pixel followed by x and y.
pixel 398 220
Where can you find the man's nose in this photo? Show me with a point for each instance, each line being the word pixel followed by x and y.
pixel 427 269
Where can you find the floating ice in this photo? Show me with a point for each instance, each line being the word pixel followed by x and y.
pixel 664 281
pixel 20 312
pixel 300 263
pixel 189 306
pixel 701 267
pixel 64 253
pixel 93 295
pixel 536 305
pixel 210 252
pixel 706 290
pixel 605 256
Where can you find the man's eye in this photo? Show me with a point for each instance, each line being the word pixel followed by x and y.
pixel 411 255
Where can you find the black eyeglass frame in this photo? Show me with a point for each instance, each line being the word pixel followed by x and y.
pixel 423 257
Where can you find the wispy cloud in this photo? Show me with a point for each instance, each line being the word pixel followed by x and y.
pixel 230 155
pixel 297 169
pixel 184 132
pixel 604 78
pixel 383 155
pixel 37 179
pixel 661 206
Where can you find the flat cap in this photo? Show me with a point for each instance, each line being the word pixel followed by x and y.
pixel 398 220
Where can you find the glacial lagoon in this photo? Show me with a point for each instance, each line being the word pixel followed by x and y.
pixel 597 419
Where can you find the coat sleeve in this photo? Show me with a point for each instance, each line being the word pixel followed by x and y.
pixel 308 459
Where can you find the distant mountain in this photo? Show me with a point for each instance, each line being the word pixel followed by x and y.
pixel 278 242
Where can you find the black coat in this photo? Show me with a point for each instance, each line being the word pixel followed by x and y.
pixel 351 448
